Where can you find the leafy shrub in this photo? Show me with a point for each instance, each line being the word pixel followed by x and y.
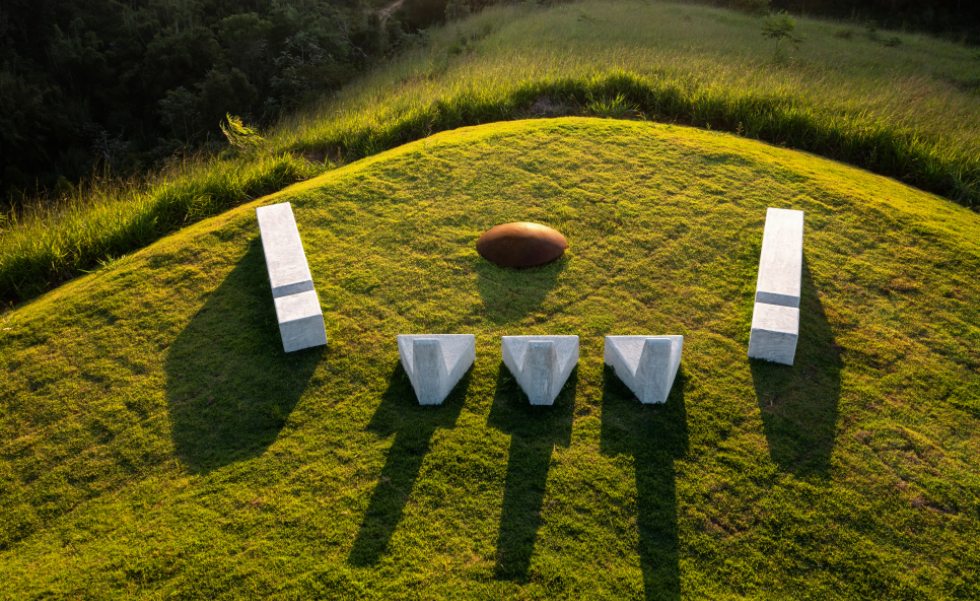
pixel 779 27
pixel 240 136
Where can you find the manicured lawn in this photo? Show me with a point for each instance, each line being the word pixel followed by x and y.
pixel 155 442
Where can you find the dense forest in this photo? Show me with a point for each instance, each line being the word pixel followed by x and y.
pixel 113 86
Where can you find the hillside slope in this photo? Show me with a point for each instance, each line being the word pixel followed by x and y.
pixel 875 100
pixel 155 442
pixel 896 104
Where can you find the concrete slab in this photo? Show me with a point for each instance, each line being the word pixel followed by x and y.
pixel 300 321
pixel 775 332
pixel 646 364
pixel 435 363
pixel 781 259
pixel 289 272
pixel 297 305
pixel 540 364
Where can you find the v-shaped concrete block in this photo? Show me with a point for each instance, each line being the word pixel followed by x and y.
pixel 540 364
pixel 646 364
pixel 435 363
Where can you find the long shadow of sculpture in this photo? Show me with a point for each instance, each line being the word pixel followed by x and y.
pixel 413 426
pixel 510 294
pixel 799 402
pixel 534 430
pixel 655 436
pixel 230 386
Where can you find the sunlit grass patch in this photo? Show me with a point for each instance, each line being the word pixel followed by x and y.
pixel 157 443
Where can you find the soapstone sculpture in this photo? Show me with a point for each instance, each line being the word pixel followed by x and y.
pixel 435 363
pixel 646 364
pixel 776 316
pixel 540 364
pixel 297 305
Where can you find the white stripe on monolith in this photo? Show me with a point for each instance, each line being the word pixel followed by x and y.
pixel 435 363
pixel 776 315
pixel 297 306
pixel 540 364
pixel 646 364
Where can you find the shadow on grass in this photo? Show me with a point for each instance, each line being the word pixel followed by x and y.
pixel 799 402
pixel 413 426
pixel 230 387
pixel 654 435
pixel 510 294
pixel 534 431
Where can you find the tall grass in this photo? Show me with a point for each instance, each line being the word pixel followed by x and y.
pixel 779 118
pixel 908 111
pixel 45 249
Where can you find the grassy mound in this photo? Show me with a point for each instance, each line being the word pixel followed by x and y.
pixel 907 110
pixel 156 442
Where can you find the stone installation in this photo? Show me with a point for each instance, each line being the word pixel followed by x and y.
pixel 646 364
pixel 521 244
pixel 297 305
pixel 435 363
pixel 776 317
pixel 540 364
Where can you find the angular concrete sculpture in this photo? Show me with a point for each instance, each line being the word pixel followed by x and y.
pixel 435 363
pixel 540 364
pixel 646 364
pixel 297 306
pixel 776 317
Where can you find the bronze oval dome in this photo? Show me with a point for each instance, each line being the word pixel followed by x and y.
pixel 521 244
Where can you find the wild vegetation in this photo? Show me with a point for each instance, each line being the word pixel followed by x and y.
pixel 952 18
pixel 155 442
pixel 106 88
pixel 906 110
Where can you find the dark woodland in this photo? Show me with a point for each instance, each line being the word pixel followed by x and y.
pixel 109 87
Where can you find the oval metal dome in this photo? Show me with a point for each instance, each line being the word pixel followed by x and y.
pixel 521 244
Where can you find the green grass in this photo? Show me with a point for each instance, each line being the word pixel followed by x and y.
pixel 47 249
pixel 907 111
pixel 155 442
